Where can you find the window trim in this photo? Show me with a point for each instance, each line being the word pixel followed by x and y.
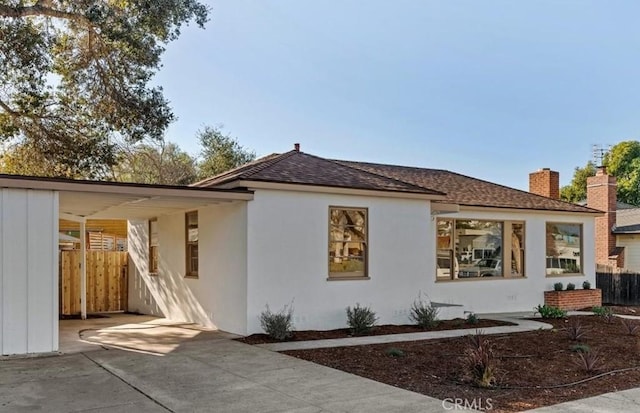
pixel 188 271
pixel 506 250
pixel 337 276
pixel 153 270
pixel 581 273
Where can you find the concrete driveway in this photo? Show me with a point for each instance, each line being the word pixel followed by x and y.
pixel 203 373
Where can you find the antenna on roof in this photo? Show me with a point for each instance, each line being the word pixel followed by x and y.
pixel 599 152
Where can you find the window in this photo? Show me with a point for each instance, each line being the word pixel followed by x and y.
pixel 192 243
pixel 564 248
pixel 473 249
pixel 347 242
pixel 153 246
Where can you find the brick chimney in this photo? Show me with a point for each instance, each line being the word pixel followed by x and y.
pixel 545 182
pixel 601 195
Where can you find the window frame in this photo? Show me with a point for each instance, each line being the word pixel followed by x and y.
pixel 153 258
pixel 506 254
pixel 333 276
pixel 580 259
pixel 189 272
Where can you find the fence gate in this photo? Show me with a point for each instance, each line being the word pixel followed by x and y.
pixel 106 281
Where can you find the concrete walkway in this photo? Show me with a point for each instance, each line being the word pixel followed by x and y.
pixel 521 326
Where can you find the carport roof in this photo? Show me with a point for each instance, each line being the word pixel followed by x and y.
pixel 117 200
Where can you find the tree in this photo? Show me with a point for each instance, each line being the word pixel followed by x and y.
pixel 21 159
pixel 163 163
pixel 577 190
pixel 75 75
pixel 220 152
pixel 623 162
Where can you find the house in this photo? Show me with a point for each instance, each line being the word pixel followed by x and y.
pixel 296 228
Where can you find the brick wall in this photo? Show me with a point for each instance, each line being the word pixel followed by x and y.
pixel 573 300
pixel 545 182
pixel 601 195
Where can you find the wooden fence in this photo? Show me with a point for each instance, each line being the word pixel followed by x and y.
pixel 106 281
pixel 621 288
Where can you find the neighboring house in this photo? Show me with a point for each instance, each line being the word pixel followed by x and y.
pixel 321 234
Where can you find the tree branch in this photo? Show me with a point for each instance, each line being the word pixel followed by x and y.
pixel 41 8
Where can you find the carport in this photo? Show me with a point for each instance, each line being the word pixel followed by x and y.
pixel 29 211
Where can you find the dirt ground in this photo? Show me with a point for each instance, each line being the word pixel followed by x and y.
pixel 534 369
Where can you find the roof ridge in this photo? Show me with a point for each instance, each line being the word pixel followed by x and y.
pixel 473 178
pixel 339 162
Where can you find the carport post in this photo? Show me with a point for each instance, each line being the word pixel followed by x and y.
pixel 83 270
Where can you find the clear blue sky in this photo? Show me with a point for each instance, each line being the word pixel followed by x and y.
pixel 491 89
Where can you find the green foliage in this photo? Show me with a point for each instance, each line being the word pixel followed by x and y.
pixel 220 152
pixel 394 352
pixel 581 348
pixel 574 330
pixel 424 313
pixel 76 76
pixel 586 285
pixel 472 318
pixel 577 190
pixel 605 312
pixel 571 286
pixel 278 326
pixel 558 286
pixel 623 162
pixel 548 312
pixel 360 319
pixel 479 361
pixel 163 163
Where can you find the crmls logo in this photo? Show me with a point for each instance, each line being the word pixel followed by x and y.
pixel 467 404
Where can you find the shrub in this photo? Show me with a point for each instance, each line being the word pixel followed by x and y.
pixel 558 286
pixel 394 352
pixel 574 330
pixel 630 326
pixel 571 287
pixel 360 319
pixel 605 312
pixel 278 326
pixel 581 348
pixel 586 285
pixel 547 311
pixel 472 318
pixel 589 361
pixel 424 313
pixel 479 360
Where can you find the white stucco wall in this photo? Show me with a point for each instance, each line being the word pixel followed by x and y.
pixel 217 298
pixel 28 271
pixel 631 251
pixel 287 260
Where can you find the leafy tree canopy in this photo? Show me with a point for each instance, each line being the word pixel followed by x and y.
pixel 576 191
pixel 75 75
pixel 220 152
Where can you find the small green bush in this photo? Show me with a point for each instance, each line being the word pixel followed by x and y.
pixel 605 312
pixel 424 313
pixel 472 318
pixel 581 348
pixel 586 285
pixel 571 287
pixel 278 326
pixel 360 319
pixel 547 311
pixel 558 286
pixel 394 352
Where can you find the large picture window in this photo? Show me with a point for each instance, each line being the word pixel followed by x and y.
pixel 474 249
pixel 153 246
pixel 347 242
pixel 564 248
pixel 192 243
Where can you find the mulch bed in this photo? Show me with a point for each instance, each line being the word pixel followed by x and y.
pixel 529 364
pixel 305 335
pixel 622 309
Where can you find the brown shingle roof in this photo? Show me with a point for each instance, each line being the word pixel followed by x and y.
pixel 464 190
pixel 296 167
pixel 300 168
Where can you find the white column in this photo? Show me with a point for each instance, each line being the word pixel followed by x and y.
pixel 83 271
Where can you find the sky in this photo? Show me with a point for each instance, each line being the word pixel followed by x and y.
pixel 491 89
